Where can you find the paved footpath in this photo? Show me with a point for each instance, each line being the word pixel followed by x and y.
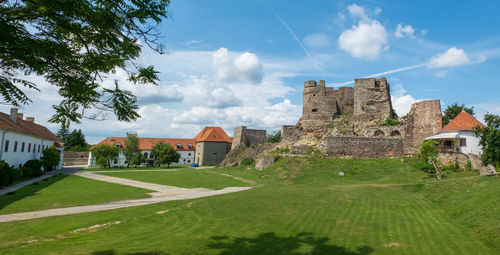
pixel 162 193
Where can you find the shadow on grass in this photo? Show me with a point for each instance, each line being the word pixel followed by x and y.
pixel 29 190
pixel 270 243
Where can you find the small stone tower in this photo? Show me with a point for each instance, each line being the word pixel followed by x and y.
pixel 372 100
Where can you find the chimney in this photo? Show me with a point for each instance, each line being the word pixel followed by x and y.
pixel 13 114
pixel 19 115
pixel 30 119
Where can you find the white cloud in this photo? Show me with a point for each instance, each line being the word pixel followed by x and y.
pixel 364 41
pixel 451 57
pixel 442 73
pixel 224 98
pixel 230 67
pixel 318 40
pixel 401 101
pixel 402 31
pixel 357 11
pixel 423 32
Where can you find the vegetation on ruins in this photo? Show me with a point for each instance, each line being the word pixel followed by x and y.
pixel 390 122
pixel 131 149
pixel 274 137
pixel 453 110
pixel 74 45
pixel 490 140
pixel 105 154
pixel 164 153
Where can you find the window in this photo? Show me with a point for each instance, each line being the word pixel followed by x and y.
pixel 462 142
pixel 145 155
pixel 6 146
pixel 189 161
pixel 29 147
pixel 22 147
pixel 190 146
pixel 178 146
pixel 15 146
pixel 189 154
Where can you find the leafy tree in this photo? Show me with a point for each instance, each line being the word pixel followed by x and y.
pixel 131 147
pixel 428 151
pixel 274 138
pixel 453 110
pixel 74 139
pixel 62 133
pixel 74 44
pixel 164 153
pixel 50 158
pixel 105 153
pixel 490 140
pixel 138 159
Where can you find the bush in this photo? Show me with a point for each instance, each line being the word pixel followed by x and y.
pixel 424 166
pixel 468 166
pixel 247 162
pixel 26 172
pixel 390 122
pixel 8 175
pixel 36 166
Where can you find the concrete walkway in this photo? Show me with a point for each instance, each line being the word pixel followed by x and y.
pixel 17 186
pixel 162 193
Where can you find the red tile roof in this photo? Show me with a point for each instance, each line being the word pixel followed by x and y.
pixel 463 121
pixel 26 127
pixel 148 143
pixel 212 134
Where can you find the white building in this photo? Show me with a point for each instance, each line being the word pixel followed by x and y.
pixel 458 135
pixel 185 147
pixel 23 140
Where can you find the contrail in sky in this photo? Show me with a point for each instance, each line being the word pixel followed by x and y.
pixel 295 37
pixel 382 73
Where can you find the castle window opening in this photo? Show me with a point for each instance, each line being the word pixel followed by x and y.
pixel 314 110
pixel 395 133
pixel 379 133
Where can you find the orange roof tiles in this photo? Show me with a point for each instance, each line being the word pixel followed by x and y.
pixel 26 127
pixel 212 134
pixel 148 143
pixel 463 121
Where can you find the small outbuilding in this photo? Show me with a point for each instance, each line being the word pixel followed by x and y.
pixel 212 145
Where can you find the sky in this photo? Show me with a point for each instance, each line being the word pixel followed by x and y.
pixel 233 63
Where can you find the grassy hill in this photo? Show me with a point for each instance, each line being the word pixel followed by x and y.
pixel 298 206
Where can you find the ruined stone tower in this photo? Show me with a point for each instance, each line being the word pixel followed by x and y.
pixel 372 100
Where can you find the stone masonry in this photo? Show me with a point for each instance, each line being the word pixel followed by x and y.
pixel 248 137
pixel 424 120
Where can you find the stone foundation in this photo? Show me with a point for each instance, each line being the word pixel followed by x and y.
pixel 362 147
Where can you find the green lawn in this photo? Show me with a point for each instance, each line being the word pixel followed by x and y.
pixel 298 207
pixel 66 191
pixel 98 168
pixel 185 178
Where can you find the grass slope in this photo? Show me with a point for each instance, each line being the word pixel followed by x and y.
pixel 185 178
pixel 66 191
pixel 124 168
pixel 291 211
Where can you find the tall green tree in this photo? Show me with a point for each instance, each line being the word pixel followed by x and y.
pixel 50 158
pixel 138 159
pixel 164 153
pixel 74 44
pixel 453 110
pixel 490 140
pixel 131 147
pixel 105 153
pixel 62 133
pixel 75 138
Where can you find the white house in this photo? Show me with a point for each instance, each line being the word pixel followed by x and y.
pixel 185 147
pixel 458 135
pixel 23 140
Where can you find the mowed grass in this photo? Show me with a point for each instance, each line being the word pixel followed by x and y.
pixel 133 168
pixel 185 178
pixel 289 212
pixel 66 191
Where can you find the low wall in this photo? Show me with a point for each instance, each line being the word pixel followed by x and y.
pixel 461 158
pixel 74 158
pixel 362 147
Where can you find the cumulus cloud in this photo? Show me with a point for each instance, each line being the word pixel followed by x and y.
pixel 365 41
pixel 318 40
pixel 243 67
pixel 402 31
pixel 451 57
pixel 223 98
pixel 402 101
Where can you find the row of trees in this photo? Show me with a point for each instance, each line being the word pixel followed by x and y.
pixel 162 153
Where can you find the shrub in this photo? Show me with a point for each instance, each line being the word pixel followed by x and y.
pixel 468 166
pixel 36 166
pixel 390 122
pixel 274 138
pixel 428 151
pixel 424 166
pixel 247 162
pixel 8 175
pixel 50 158
pixel 26 172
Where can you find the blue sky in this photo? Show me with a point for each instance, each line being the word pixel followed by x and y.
pixel 232 63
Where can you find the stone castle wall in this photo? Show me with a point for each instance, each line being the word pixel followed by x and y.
pixel 248 137
pixel 424 120
pixel 362 147
pixel 372 100
pixel 290 134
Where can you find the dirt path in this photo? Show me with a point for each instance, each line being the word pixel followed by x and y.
pixel 162 193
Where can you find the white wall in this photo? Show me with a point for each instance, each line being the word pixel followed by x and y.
pixel 20 157
pixel 472 143
pixel 187 157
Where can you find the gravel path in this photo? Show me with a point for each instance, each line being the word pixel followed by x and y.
pixel 161 193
